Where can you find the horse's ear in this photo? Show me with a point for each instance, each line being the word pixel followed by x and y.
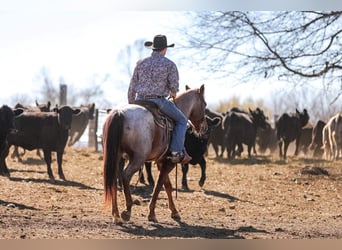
pixel 187 87
pixel 201 90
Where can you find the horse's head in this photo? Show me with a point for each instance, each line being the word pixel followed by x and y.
pixel 192 104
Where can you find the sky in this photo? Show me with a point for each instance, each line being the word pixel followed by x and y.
pixel 76 39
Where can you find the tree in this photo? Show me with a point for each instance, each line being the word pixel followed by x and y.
pixel 128 58
pixel 286 45
pixel 49 91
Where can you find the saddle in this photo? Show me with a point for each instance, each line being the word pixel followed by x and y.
pixel 160 119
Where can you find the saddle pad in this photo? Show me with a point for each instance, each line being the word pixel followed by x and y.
pixel 160 118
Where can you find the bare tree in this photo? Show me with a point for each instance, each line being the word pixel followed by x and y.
pixel 128 58
pixel 49 91
pixel 292 45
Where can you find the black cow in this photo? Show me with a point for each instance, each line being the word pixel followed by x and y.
pixel 6 126
pixel 80 122
pixel 289 128
pixel 216 138
pixel 197 146
pixel 305 140
pixel 45 107
pixel 42 130
pixel 267 139
pixel 316 139
pixel 241 128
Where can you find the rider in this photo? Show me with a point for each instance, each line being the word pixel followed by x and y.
pixel 154 79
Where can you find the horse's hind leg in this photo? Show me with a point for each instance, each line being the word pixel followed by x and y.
pixel 131 169
pixel 164 168
pixel 115 210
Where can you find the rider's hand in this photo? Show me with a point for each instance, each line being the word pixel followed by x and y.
pixel 172 95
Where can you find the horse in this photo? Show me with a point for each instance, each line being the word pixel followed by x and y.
pixel 132 130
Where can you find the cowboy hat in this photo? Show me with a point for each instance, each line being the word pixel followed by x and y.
pixel 159 42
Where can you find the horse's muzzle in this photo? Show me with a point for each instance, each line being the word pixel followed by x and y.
pixel 203 128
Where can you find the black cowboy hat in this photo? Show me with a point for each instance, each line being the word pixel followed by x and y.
pixel 159 42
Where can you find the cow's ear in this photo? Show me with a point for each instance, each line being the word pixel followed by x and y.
pixel 76 111
pixel 297 111
pixel 217 121
pixel 187 87
pixel 18 111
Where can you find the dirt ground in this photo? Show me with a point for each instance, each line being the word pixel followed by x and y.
pixel 260 198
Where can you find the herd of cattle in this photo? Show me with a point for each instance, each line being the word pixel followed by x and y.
pixel 49 129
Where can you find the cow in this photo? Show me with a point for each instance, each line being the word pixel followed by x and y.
pixel 241 128
pixel 42 130
pixel 38 108
pixel 267 139
pixel 45 107
pixel 197 146
pixel 289 128
pixel 316 139
pixel 332 137
pixel 80 122
pixel 305 140
pixel 217 135
pixel 7 116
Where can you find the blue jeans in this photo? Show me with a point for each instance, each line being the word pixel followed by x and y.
pixel 170 109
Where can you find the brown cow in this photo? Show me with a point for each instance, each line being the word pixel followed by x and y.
pixel 80 122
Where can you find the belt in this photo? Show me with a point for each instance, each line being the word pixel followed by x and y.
pixel 151 96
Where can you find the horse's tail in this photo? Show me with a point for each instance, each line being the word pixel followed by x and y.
pixel 112 135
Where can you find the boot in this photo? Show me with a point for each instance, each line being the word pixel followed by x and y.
pixel 186 158
pixel 179 157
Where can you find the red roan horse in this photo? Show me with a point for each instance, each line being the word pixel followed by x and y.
pixel 132 130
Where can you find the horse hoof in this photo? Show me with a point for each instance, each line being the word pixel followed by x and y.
pixel 201 183
pixel 176 217
pixel 152 218
pixel 126 215
pixel 117 221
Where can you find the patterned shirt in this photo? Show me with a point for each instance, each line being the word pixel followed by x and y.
pixel 154 75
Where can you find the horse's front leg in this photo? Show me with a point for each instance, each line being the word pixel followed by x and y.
pixel 164 168
pixel 168 189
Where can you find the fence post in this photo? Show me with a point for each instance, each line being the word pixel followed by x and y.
pixel 62 94
pixel 94 135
